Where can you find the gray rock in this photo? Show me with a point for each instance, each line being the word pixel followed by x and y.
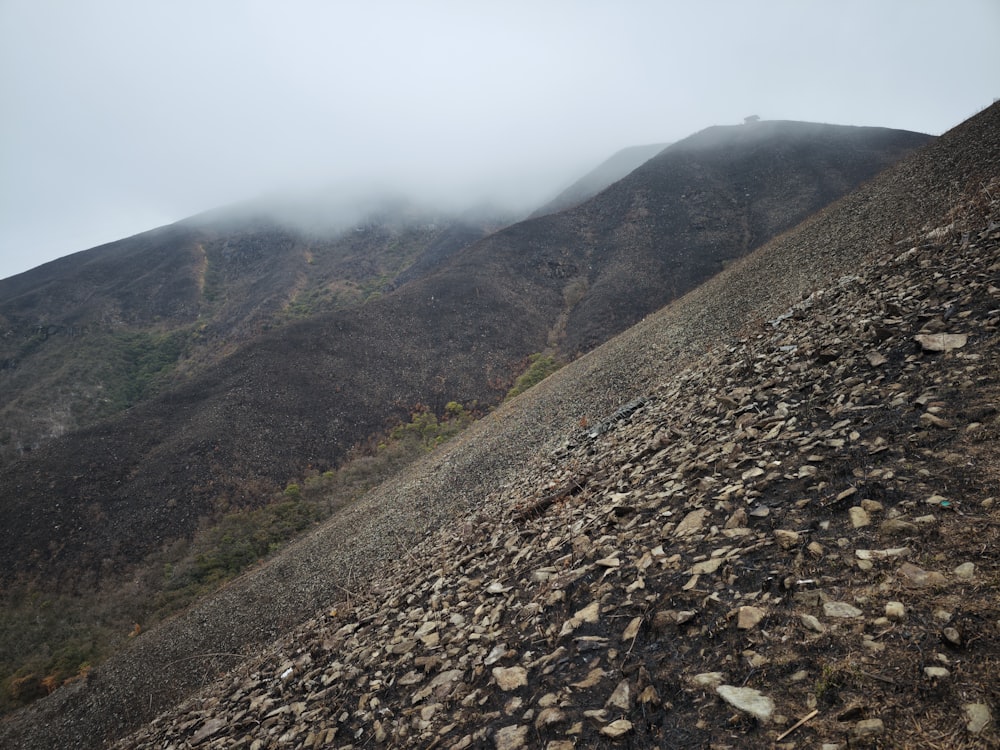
pixel 748 700
pixel 841 609
pixel 979 717
pixel 867 727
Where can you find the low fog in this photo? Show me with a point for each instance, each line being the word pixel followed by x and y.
pixel 120 117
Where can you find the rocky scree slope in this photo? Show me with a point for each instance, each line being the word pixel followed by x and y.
pixel 803 526
pixel 342 563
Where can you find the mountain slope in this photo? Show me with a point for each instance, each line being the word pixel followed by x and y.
pixel 650 453
pixel 300 396
pixel 93 333
pixel 604 174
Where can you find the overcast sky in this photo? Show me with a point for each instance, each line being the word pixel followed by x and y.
pixel 118 117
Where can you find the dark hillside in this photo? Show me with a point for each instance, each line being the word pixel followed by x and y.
pixel 604 174
pixel 587 564
pixel 102 330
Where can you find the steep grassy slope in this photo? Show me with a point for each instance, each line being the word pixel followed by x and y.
pixel 341 561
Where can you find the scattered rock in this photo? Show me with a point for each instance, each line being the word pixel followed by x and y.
pixel 966 571
pixel 511 737
pixel 691 523
pixel 786 539
pixel 859 517
pixel 898 527
pixel 868 727
pixel 895 610
pixel 941 342
pixel 920 578
pixel 812 623
pixel 617 728
pixel 749 617
pixel 979 717
pixel 841 609
pixel 952 636
pixel 707 679
pixel 747 699
pixel 621 697
pixel 510 678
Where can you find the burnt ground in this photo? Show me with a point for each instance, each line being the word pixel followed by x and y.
pixel 810 513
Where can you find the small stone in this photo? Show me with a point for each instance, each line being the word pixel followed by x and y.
pixel 919 577
pixel 867 727
pixel 895 610
pixel 932 420
pixel 632 629
pixel 593 677
pixel 650 695
pixel 510 678
pixel 875 359
pixel 747 699
pixel 210 727
pixel 936 673
pixel 812 623
pixel 707 679
pixel 841 609
pixel 621 697
pixel 617 728
pixel 941 342
pixel 952 636
pixel 691 523
pixel 966 571
pixel 590 613
pixel 859 517
pixel 979 717
pixel 786 539
pixel 897 527
pixel 497 588
pixel 547 716
pixel 707 566
pixel 749 617
pixel 495 655
pixel 511 738
pixel 737 520
pixel 881 554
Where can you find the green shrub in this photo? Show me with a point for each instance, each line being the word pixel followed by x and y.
pixel 540 366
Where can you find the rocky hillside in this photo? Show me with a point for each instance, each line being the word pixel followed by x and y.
pixel 295 392
pixel 766 514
